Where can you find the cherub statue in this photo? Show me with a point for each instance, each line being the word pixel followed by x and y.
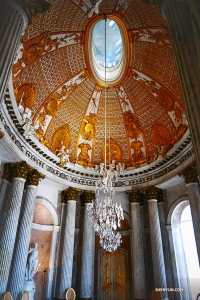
pixel 63 155
pixel 28 128
pixel 94 8
pixel 27 114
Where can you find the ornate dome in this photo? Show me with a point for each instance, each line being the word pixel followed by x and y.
pixel 52 76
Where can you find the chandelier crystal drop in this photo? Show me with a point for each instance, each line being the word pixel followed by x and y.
pixel 105 215
pixel 111 241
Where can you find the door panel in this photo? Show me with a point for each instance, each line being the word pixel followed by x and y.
pixel 113 275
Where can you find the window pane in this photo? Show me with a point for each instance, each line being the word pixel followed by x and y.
pixel 113 43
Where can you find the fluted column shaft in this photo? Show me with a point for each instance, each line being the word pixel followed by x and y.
pixel 138 253
pixel 87 267
pixel 9 229
pixel 178 17
pixel 68 249
pixel 194 199
pixel 157 247
pixel 16 281
pixel 13 21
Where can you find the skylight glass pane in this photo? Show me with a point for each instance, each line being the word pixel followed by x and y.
pixel 113 43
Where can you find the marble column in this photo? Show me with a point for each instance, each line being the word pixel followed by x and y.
pixel 173 261
pixel 10 222
pixel 178 16
pixel 138 267
pixel 50 278
pixel 166 248
pixel 18 268
pixel 190 175
pixel 156 242
pixel 13 21
pixel 70 196
pixel 88 247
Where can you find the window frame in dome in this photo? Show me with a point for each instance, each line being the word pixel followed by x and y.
pixel 114 75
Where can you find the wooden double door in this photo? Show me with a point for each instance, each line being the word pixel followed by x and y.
pixel 113 278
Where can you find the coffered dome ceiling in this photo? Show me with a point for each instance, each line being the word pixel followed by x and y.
pixel 53 77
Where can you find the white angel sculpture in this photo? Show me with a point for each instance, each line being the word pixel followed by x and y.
pixel 94 8
pixel 32 264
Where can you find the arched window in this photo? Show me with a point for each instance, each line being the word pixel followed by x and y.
pixel 185 265
pixel 189 245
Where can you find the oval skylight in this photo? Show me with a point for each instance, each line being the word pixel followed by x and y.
pixel 107 50
pixel 111 56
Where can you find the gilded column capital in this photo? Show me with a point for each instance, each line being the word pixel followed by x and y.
pixel 20 169
pixel 134 196
pixel 34 177
pixel 87 197
pixel 70 194
pixel 152 193
pixel 8 172
pixel 190 175
pixel 33 7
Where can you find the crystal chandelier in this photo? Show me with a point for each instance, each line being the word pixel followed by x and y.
pixel 104 215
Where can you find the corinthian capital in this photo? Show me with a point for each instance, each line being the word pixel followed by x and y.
pixel 33 7
pixel 152 193
pixel 70 194
pixel 135 196
pixel 190 175
pixel 34 177
pixel 20 169
pixel 87 196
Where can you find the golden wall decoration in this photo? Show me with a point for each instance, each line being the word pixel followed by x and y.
pixel 88 127
pixel 83 157
pixel 113 152
pixel 132 124
pixel 61 138
pixel 138 155
pixel 160 136
pixel 36 47
pixel 41 122
pixel 25 94
pixel 182 128
pixel 51 105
